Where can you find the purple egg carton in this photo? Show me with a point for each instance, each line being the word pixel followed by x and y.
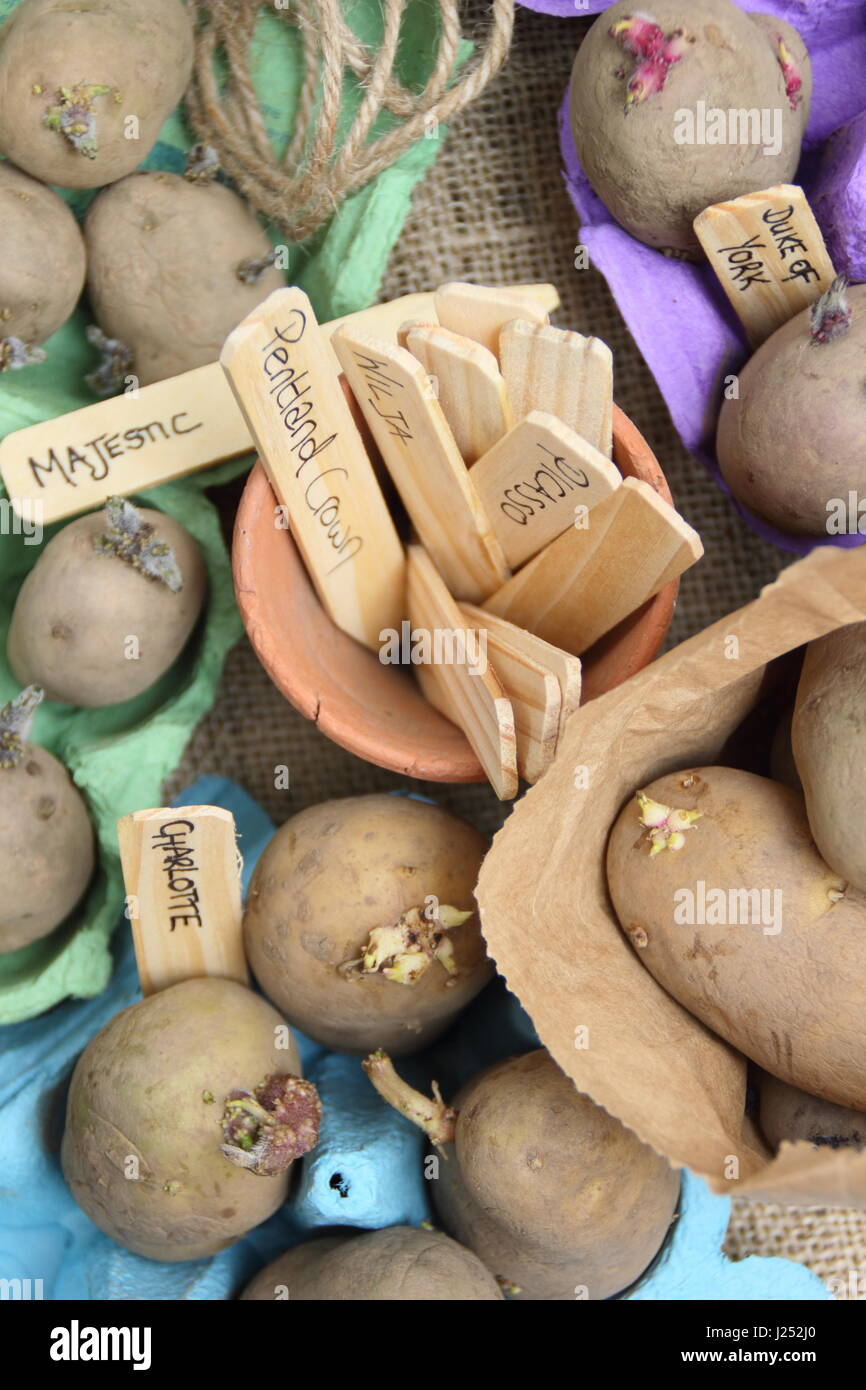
pixel 676 312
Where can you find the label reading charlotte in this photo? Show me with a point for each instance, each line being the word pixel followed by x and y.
pixel 179 867
pixel 91 459
pixel 290 388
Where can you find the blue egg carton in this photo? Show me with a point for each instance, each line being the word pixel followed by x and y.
pixel 365 1172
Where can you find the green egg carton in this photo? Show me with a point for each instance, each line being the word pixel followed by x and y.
pixel 120 756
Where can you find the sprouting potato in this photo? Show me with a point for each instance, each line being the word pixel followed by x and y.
pixel 361 923
pixel 637 78
pixel 718 886
pixel 173 265
pixel 184 1117
pixel 85 87
pixel 108 606
pixel 791 445
pixel 552 1193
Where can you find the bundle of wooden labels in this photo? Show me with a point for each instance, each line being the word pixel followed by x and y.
pixel 495 428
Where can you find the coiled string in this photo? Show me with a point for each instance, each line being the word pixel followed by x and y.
pixel 302 190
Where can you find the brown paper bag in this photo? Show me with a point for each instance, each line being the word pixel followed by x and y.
pixel 552 931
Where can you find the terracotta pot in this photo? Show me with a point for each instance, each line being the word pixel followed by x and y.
pixel 377 711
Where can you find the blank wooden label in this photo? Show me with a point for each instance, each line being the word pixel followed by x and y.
pixel 133 442
pixel 532 688
pixel 394 392
pixel 531 482
pixel 769 254
pixel 182 873
pixel 468 385
pixel 474 701
pixel 590 578
pixel 561 664
pixel 563 373
pixel 287 384
pixel 481 311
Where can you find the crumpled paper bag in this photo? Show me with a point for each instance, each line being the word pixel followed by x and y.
pixel 552 931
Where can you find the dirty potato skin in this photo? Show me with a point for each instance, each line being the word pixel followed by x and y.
pixel 550 1191
pixel 829 740
pixel 140 1090
pixel 162 257
pixel 77 609
pixel 46 848
pixel 793 441
pixel 42 269
pixel 653 186
pixel 142 52
pixel 790 999
pixel 789 1114
pixel 332 874
pixel 399 1264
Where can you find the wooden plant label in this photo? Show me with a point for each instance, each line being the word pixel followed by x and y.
pixel 287 385
pixel 473 700
pixel 123 445
pixel 182 873
pixel 468 385
pixel 565 667
pixel 533 690
pixel 563 373
pixel 531 482
pixel 768 252
pixel 482 311
pixel 592 577
pixel 406 420
pixel 133 442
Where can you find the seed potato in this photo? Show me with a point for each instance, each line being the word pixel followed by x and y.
pixel 627 141
pixel 322 923
pixel 791 446
pixel 401 1264
pixel 147 1120
pixel 47 850
pixel 42 271
pixel 80 612
pixel 782 981
pixel 553 1194
pixel 85 87
pixel 162 261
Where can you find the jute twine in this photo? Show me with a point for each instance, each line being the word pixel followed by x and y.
pixel 302 190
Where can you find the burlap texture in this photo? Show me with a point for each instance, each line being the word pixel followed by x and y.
pixel 494 209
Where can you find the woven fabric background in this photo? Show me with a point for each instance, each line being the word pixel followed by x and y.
pixel 494 210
